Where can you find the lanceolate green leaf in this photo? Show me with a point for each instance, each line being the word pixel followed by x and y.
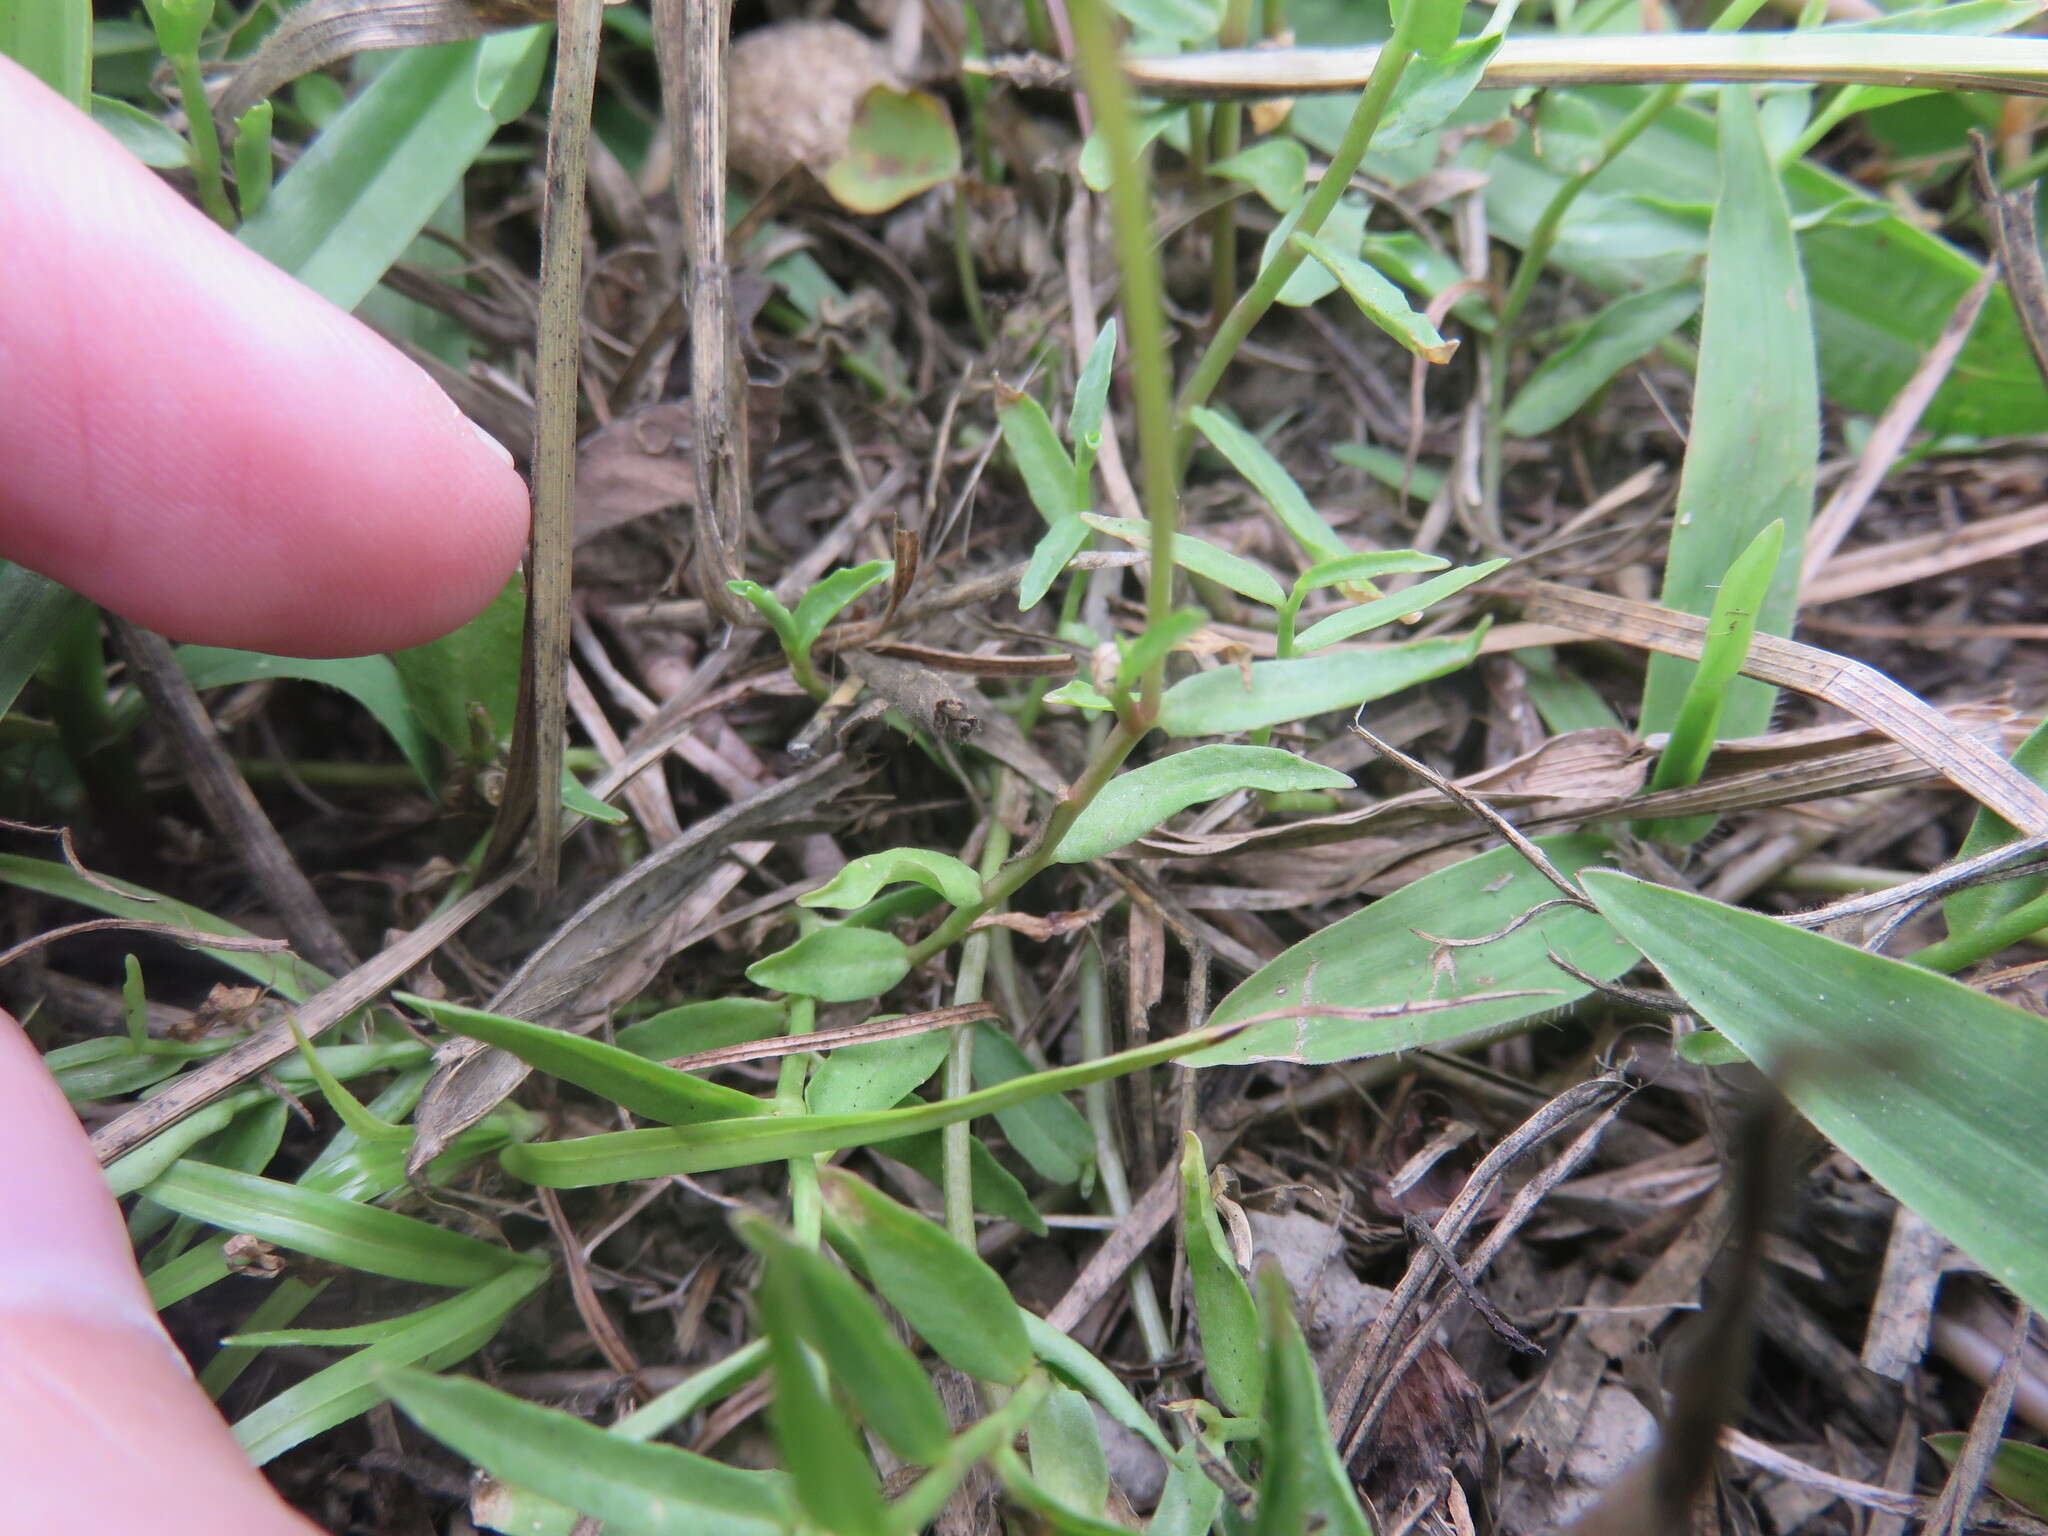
pixel 1432 89
pixel 2018 1470
pixel 365 1237
pixel 829 1311
pixel 625 1155
pixel 1755 435
pixel 436 1336
pixel 1035 449
pixel 1231 1348
pixel 629 1080
pixel 372 681
pixel 1091 392
pixel 1393 607
pixel 1203 558
pixel 1250 458
pixel 1305 1486
pixel 957 1304
pixel 835 965
pixel 653 1490
pixel 1623 332
pixel 52 40
pixel 860 881
pixel 1975 908
pixel 371 181
pixel 1379 958
pixel 1380 301
pixel 1061 542
pixel 34 611
pixel 1133 803
pixel 703 1027
pixel 1937 1090
pixel 823 603
pixel 1218 701
pixel 287 975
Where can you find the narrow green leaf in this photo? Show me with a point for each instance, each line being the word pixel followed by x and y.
pixel 1231 1347
pixel 2018 1470
pixel 824 602
pixel 1755 434
pixel 1305 1486
pixel 1060 543
pixel 1067 1461
pixel 1378 958
pixel 835 965
pixel 1730 628
pixel 34 611
pixel 860 881
pixel 957 1304
pixel 354 1115
pixel 1393 607
pixel 1198 555
pixel 1091 392
pixel 285 974
pixel 508 73
pixel 1048 1132
pixel 1095 167
pixel 1218 701
pixel 1078 694
pixel 1432 89
pixel 834 1482
pixel 1276 169
pixel 777 617
pixel 1133 803
pixel 1035 449
pixel 1366 567
pixel 477 666
pixel 876 1074
pixel 437 1336
pixel 147 138
pixel 1421 483
pixel 1622 333
pixel 372 681
pixel 825 1308
pixel 1971 910
pixel 374 177
pixel 1937 1090
pixel 627 1079
pixel 1312 282
pixel 255 166
pixel 364 1237
pixel 623 1155
pixel 1075 1365
pixel 703 1027
pixel 653 1490
pixel 52 40
pixel 1435 24
pixel 1248 456
pixel 996 1191
pixel 1379 300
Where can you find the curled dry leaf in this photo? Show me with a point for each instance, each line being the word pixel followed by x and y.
pixel 792 93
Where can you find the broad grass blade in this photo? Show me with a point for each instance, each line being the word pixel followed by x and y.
pixel 34 611
pixel 1379 958
pixel 1938 1091
pixel 1756 417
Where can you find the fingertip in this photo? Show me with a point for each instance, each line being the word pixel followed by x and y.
pixel 204 445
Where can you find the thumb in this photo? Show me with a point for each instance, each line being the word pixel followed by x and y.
pixel 101 1426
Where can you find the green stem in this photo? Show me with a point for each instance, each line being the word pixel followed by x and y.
pixel 956 1141
pixel 1144 310
pixel 1109 1160
pixel 963 265
pixel 806 1211
pixel 1972 945
pixel 213 190
pixel 1336 180
pixel 1225 138
pixel 1038 853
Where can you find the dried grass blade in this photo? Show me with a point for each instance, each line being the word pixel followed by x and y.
pixel 1860 690
pixel 833 1039
pixel 533 781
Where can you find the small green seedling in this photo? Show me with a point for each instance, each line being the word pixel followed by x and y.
pixel 799 630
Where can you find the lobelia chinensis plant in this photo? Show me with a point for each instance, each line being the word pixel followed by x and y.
pixel 1762 247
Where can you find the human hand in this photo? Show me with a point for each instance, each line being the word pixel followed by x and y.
pixel 195 441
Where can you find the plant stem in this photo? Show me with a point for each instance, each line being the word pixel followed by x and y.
pixel 1225 137
pixel 1336 180
pixel 956 1141
pixel 1143 303
pixel 806 1211
pixel 213 191
pixel 1038 853
pixel 1972 945
pixel 963 265
pixel 1109 1160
